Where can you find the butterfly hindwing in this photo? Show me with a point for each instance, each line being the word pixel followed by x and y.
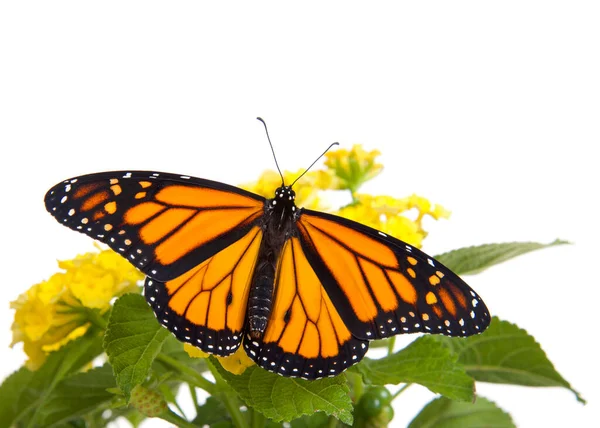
pixel 206 306
pixel 164 224
pixel 305 336
pixel 382 286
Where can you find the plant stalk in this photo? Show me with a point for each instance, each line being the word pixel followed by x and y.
pixel 195 378
pixel 228 399
pixel 400 391
pixel 176 420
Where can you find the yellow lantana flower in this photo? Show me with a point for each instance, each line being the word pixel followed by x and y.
pixel 43 319
pixel 53 312
pixel 439 212
pixel 353 167
pixel 236 363
pixel 194 352
pixel 389 215
pixel 96 278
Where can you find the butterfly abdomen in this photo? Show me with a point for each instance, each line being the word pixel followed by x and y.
pixel 276 230
pixel 260 302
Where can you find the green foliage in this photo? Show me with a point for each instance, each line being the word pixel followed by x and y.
pixel 472 260
pixel 374 408
pixel 284 399
pixel 505 353
pixel 372 401
pixel 79 395
pixel 213 413
pixel 148 402
pixel 315 420
pixel 445 413
pixel 24 394
pixel 426 362
pixel 133 339
pixel 142 356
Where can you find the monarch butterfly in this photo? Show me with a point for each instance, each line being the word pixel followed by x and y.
pixel 304 291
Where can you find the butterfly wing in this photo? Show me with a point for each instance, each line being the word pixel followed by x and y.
pixel 382 286
pixel 164 224
pixel 338 284
pixel 206 306
pixel 305 335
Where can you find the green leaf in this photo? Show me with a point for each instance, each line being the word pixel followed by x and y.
pixel 24 392
pixel 134 417
pixel 426 362
pixel 173 348
pixel 444 413
pixel 316 420
pixel 284 399
pixel 133 339
pixel 16 396
pixel 312 421
pixel 505 353
pixel 78 395
pixel 471 260
pixel 214 414
pixel 381 343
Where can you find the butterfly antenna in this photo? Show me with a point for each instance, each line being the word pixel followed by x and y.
pixel 272 150
pixel 311 165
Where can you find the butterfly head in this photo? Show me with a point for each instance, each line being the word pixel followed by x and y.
pixel 285 194
pixel 284 200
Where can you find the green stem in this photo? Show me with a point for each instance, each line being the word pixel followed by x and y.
pixel 233 409
pixel 229 400
pixel 391 343
pixel 258 419
pixel 400 391
pixel 194 377
pixel 332 422
pixel 358 385
pixel 176 420
pixel 176 404
pixel 194 396
pixel 95 318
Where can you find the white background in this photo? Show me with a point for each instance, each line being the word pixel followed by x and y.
pixel 491 109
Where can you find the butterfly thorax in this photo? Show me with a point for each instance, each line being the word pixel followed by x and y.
pixel 278 225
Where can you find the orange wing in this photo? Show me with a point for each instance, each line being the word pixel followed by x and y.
pixel 382 286
pixel 164 224
pixel 305 336
pixel 206 306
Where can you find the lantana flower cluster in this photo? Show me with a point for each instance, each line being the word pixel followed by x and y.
pixel 55 311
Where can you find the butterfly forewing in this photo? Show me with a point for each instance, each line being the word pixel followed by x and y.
pixel 163 224
pixel 382 286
